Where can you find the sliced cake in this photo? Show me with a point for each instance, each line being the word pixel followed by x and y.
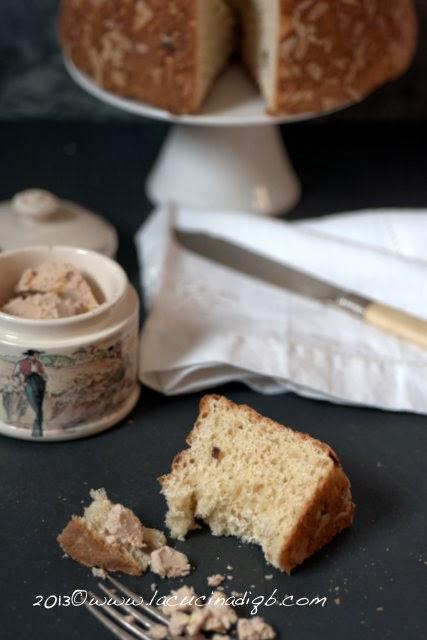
pixel 248 476
pixel 309 56
pixel 165 53
pixel 305 55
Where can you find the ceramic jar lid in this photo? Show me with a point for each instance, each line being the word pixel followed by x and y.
pixel 38 217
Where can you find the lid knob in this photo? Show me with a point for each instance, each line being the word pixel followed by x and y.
pixel 35 204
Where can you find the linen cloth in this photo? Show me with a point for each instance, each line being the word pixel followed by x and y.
pixel 208 325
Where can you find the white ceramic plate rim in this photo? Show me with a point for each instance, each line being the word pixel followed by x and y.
pixel 234 101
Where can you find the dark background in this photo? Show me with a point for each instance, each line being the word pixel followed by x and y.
pixel 34 84
pixel 374 575
pixel 373 154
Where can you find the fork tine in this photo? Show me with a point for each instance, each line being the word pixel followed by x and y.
pixel 148 608
pixel 147 622
pixel 112 611
pixel 109 624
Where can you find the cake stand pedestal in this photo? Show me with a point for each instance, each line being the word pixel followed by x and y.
pixel 230 156
pixel 233 168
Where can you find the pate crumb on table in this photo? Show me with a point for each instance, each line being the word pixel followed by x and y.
pixel 215 580
pixel 216 616
pixel 169 563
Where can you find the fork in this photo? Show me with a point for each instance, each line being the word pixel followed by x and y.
pixel 131 624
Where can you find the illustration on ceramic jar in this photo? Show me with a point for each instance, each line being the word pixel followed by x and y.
pixel 28 386
pixel 42 391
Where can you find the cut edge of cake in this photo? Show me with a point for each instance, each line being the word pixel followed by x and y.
pixel 164 54
pixel 328 510
pixel 306 56
pixel 312 57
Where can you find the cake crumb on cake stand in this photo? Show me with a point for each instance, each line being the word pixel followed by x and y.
pixel 230 156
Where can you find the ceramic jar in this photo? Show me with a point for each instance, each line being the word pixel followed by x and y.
pixel 38 217
pixel 69 377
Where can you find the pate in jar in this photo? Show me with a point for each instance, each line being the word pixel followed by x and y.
pixel 69 324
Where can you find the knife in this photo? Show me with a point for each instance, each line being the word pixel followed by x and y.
pixel 399 323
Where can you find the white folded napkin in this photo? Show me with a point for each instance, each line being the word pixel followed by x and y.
pixel 208 325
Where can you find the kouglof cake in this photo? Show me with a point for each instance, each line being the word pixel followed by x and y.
pixel 304 55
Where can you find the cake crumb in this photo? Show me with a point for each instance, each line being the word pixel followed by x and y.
pixel 99 573
pixel 269 576
pixel 230 577
pixel 215 580
pixel 153 587
pixel 380 609
pixel 337 601
pixel 229 567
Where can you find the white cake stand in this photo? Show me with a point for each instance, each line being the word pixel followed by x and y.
pixel 230 156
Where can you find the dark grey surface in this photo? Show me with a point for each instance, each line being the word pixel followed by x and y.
pixel 34 84
pixel 377 569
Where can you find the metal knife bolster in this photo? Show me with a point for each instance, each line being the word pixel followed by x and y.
pixel 351 302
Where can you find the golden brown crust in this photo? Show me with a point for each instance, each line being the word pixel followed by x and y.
pixel 330 510
pixel 333 53
pixel 141 49
pixel 253 415
pixel 86 547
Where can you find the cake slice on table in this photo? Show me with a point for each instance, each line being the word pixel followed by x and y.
pixel 110 536
pixel 248 476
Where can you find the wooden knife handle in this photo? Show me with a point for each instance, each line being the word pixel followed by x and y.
pixel 401 324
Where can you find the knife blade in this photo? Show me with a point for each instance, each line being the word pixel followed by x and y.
pixel 255 265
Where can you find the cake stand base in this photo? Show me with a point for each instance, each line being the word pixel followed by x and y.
pixel 233 168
